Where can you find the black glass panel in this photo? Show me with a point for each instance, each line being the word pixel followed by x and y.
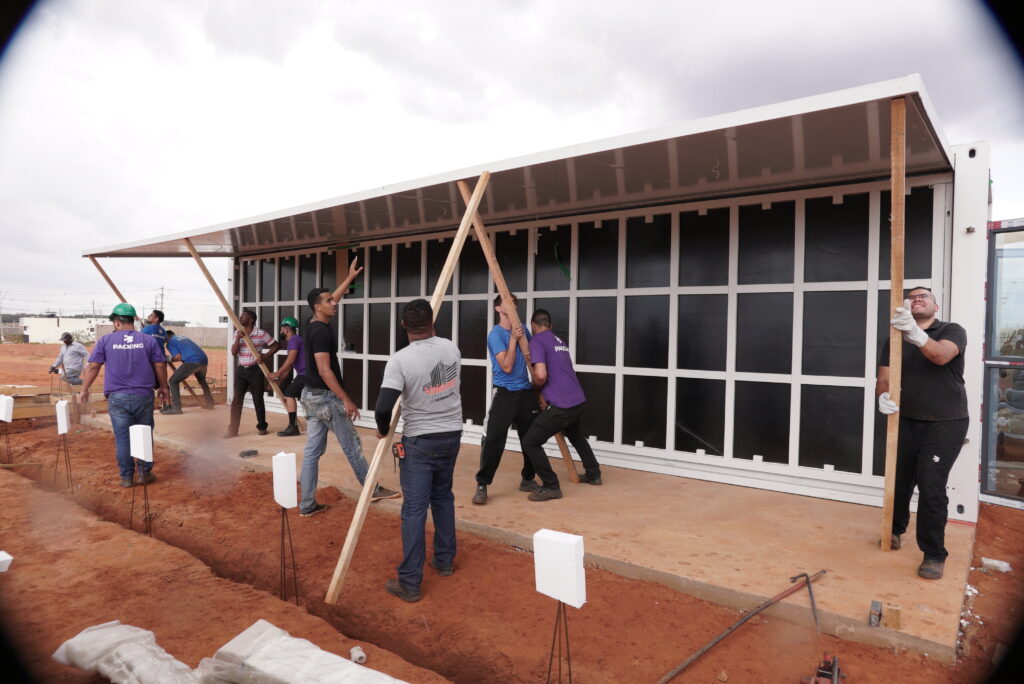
pixel 401 337
pixel 329 270
pixel 700 415
pixel 267 269
pixel 643 410
pixel 552 264
pixel 307 274
pixel 409 270
pixel 437 252
pixel 599 255
pixel 595 330
pixel 443 322
pixel 836 239
pixel 473 326
pixel 766 243
pixel 917 235
pixel 474 393
pixel 512 253
pixel 700 342
pixel 646 331
pixel 353 324
pixel 834 333
pixel 559 310
pixel 352 377
pixel 648 251
pixel 286 265
pixel 358 288
pixel 878 455
pixel 380 271
pixel 250 269
pixel 882 326
pixel 764 332
pixel 599 413
pixel 761 421
pixel 374 378
pixel 267 320
pixel 831 427
pixel 472 269
pixel 380 329
pixel 704 247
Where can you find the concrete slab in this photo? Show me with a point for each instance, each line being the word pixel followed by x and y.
pixel 732 545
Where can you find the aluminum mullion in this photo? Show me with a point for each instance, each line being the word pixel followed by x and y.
pixel 673 333
pixel 796 358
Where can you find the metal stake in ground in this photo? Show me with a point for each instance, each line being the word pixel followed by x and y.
pixel 63 424
pixel 561 633
pixel 6 416
pixel 284 494
pixel 140 440
pixel 147 518
pixel 286 532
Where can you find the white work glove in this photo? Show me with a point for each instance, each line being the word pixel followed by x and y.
pixel 886 405
pixel 904 321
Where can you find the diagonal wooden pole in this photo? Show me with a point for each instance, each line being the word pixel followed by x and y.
pixel 122 298
pixel 898 192
pixel 513 314
pixel 384 444
pixel 234 319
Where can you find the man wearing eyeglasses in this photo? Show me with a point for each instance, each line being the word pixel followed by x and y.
pixel 933 420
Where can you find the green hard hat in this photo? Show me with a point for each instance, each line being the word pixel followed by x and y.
pixel 288 320
pixel 123 309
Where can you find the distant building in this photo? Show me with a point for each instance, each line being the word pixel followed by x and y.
pixel 47 329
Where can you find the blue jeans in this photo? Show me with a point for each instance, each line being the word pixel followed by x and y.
pixel 324 412
pixel 126 410
pixel 426 477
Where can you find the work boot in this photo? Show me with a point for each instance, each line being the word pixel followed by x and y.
pixel 171 411
pixel 442 570
pixel 545 494
pixel 317 508
pixel 480 498
pixel 127 483
pixel 528 486
pixel 590 479
pixel 931 569
pixel 289 431
pixel 896 543
pixel 262 431
pixel 384 493
pixel 395 588
pixel 146 478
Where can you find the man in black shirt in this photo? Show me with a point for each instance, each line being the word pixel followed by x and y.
pixel 933 420
pixel 327 405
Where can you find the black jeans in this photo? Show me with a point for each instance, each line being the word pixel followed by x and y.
pixel 548 423
pixel 507 407
pixel 248 379
pixel 179 375
pixel 925 454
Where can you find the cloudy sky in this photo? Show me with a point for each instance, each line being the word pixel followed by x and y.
pixel 126 120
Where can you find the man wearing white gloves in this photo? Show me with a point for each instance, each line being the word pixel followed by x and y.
pixel 933 420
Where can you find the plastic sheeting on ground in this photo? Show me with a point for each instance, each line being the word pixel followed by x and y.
pixel 124 655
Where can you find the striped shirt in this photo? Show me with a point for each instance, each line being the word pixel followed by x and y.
pixel 260 339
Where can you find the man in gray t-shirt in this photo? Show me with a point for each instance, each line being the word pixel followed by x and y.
pixel 426 376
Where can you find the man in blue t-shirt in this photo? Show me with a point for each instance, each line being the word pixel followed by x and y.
pixel 553 372
pixel 513 402
pixel 193 361
pixel 154 326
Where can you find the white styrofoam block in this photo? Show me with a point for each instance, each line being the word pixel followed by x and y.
pixel 5 561
pixel 63 416
pixel 992 564
pixel 284 480
pixel 140 442
pixel 558 564
pixel 6 408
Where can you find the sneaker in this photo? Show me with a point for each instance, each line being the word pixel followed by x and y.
pixel 384 493
pixel 230 435
pixel 590 479
pixel 127 483
pixel 443 571
pixel 317 508
pixel 289 431
pixel 146 478
pixel 896 543
pixel 480 498
pixel 528 486
pixel 931 569
pixel 262 431
pixel 395 588
pixel 545 494
pixel 171 411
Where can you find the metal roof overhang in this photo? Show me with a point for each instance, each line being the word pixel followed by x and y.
pixel 826 139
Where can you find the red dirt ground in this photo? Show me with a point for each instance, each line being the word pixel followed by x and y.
pixel 486 622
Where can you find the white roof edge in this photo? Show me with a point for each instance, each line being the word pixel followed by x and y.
pixel 905 85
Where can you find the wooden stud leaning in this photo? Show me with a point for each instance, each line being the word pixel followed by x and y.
pixel 121 297
pixel 234 319
pixel 898 154
pixel 384 444
pixel 506 296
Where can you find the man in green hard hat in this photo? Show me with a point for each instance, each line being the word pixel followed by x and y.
pixel 135 363
pixel 296 360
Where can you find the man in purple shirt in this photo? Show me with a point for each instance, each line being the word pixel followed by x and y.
pixel 296 360
pixel 135 362
pixel 554 375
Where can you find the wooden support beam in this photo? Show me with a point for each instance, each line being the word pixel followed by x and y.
pixel 898 157
pixel 384 444
pixel 513 314
pixel 199 402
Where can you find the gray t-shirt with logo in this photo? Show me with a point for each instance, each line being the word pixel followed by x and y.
pixel 427 374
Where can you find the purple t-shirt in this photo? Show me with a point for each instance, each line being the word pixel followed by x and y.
pixel 129 356
pixel 562 388
pixel 300 360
